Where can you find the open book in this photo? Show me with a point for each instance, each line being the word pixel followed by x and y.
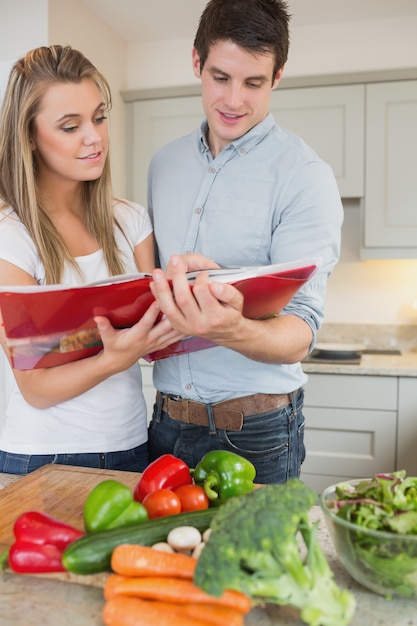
pixel 54 324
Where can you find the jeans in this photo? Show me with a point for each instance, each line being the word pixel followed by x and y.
pixel 134 460
pixel 273 441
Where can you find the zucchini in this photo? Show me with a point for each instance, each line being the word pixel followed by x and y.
pixel 92 553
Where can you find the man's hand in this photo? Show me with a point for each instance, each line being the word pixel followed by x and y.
pixel 210 310
pixel 214 311
pixel 190 263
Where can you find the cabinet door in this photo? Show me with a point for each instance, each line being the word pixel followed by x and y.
pixel 151 124
pixel 407 426
pixel 351 427
pixel 352 443
pixel 391 166
pixel 331 120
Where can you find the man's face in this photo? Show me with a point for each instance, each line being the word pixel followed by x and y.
pixel 236 90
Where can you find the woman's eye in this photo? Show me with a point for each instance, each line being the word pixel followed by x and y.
pixel 69 129
pixel 100 119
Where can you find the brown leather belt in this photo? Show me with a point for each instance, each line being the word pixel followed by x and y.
pixel 228 415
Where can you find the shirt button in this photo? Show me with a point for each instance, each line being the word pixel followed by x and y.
pixel 212 170
pixel 198 210
pixel 242 150
pixel 188 386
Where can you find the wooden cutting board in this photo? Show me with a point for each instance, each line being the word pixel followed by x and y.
pixel 60 491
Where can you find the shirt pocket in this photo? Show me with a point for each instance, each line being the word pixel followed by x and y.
pixel 236 232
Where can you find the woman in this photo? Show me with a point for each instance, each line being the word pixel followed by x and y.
pixel 59 223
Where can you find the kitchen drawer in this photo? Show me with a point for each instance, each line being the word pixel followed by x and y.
pixel 354 392
pixel 349 442
pixel 319 482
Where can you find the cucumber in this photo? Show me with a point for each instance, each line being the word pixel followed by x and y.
pixel 91 554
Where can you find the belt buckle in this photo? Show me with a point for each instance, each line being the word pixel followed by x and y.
pixel 175 398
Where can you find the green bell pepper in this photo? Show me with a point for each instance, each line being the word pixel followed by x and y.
pixel 224 474
pixel 110 504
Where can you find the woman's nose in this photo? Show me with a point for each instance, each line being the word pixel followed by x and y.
pixel 91 135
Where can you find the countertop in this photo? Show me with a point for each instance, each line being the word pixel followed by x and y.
pixel 33 600
pixel 404 364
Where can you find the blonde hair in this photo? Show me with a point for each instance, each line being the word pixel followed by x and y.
pixel 29 78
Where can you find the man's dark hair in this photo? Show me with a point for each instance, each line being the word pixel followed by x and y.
pixel 259 26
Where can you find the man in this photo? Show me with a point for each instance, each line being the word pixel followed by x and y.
pixel 242 191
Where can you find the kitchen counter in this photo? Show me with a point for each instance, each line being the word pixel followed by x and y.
pixel 404 364
pixel 33 600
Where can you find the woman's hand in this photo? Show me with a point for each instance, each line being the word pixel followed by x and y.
pixel 122 348
pixel 43 388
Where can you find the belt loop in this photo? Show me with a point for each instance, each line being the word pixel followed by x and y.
pixel 158 406
pixel 293 401
pixel 211 423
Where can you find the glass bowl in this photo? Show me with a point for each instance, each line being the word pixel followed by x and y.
pixel 383 562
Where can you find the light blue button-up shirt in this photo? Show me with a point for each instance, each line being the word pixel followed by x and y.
pixel 266 198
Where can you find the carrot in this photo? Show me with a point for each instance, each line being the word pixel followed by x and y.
pixel 215 614
pixel 135 560
pixel 125 611
pixel 167 589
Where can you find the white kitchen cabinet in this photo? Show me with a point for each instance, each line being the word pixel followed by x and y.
pixel 150 125
pixel 407 426
pixel 351 427
pixel 330 119
pixel 390 204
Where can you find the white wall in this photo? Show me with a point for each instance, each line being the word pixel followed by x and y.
pixel 23 25
pixel 325 49
pixel 27 24
pixel 71 23
pixel 369 292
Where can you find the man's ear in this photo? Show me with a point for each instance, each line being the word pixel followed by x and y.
pixel 196 63
pixel 278 77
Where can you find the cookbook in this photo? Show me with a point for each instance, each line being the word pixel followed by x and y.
pixel 48 325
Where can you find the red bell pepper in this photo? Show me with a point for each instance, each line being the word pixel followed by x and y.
pixel 40 543
pixel 166 472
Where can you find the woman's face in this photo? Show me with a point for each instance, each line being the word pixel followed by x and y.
pixel 70 138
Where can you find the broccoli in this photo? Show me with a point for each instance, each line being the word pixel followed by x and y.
pixel 264 544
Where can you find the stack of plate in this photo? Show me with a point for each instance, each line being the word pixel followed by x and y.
pixel 338 351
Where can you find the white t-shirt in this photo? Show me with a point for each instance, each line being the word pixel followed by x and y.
pixel 109 417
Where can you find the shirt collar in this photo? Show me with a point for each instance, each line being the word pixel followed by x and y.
pixel 242 144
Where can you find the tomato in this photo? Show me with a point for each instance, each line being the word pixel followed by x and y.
pixel 193 498
pixel 162 502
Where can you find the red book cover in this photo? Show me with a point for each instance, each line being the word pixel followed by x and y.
pixel 54 324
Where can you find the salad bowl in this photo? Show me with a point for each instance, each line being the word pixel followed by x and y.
pixel 373 525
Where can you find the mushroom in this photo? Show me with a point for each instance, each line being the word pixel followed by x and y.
pixel 184 539
pixel 162 546
pixel 198 550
